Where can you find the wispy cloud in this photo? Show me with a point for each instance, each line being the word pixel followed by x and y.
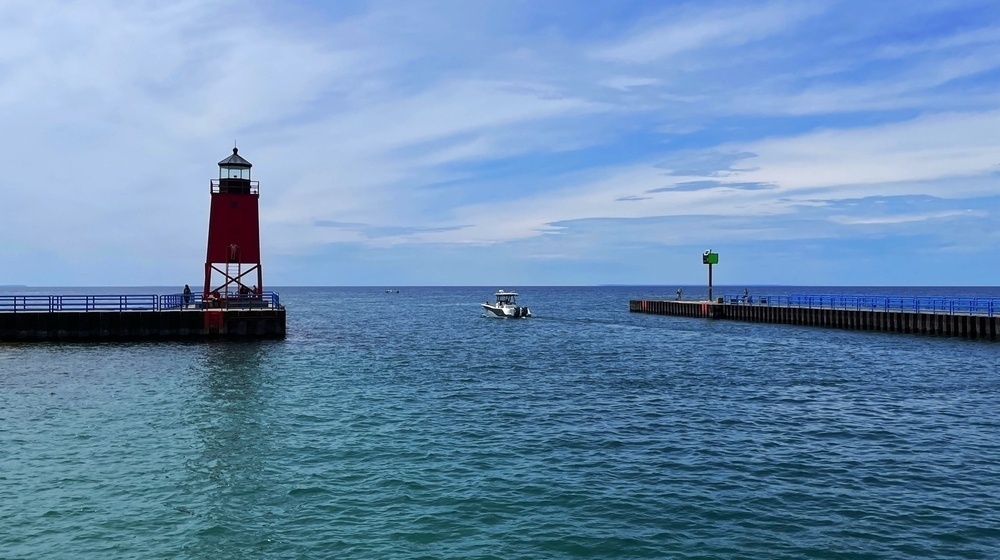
pixel 906 218
pixel 691 28
pixel 703 185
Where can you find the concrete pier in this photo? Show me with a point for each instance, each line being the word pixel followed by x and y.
pixel 967 326
pixel 135 317
pixel 130 325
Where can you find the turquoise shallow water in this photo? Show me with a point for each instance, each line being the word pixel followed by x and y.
pixel 408 426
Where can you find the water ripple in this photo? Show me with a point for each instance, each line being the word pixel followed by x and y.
pixel 437 433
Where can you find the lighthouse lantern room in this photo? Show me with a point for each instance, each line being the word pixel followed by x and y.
pixel 232 267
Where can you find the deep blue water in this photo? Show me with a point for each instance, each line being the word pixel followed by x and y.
pixel 409 426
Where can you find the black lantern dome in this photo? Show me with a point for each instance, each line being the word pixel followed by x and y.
pixel 235 167
pixel 234 174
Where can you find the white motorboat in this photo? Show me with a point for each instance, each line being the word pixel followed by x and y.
pixel 506 306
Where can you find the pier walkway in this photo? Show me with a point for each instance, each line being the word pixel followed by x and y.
pixel 971 318
pixel 98 317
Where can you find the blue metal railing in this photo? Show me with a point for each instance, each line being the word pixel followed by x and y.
pixel 224 301
pixel 910 304
pixel 134 302
pixel 104 302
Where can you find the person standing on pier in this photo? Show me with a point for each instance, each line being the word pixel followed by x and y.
pixel 187 295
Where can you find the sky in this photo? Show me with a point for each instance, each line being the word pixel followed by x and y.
pixel 505 143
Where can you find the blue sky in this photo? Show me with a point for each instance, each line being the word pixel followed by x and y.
pixel 506 143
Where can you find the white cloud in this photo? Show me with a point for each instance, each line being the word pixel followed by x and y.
pixel 626 83
pixel 924 156
pixel 931 147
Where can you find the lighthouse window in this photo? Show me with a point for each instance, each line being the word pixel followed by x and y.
pixel 236 173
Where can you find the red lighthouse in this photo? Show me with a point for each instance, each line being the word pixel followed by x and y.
pixel 232 266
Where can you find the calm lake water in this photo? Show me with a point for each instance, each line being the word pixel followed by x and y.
pixel 407 425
